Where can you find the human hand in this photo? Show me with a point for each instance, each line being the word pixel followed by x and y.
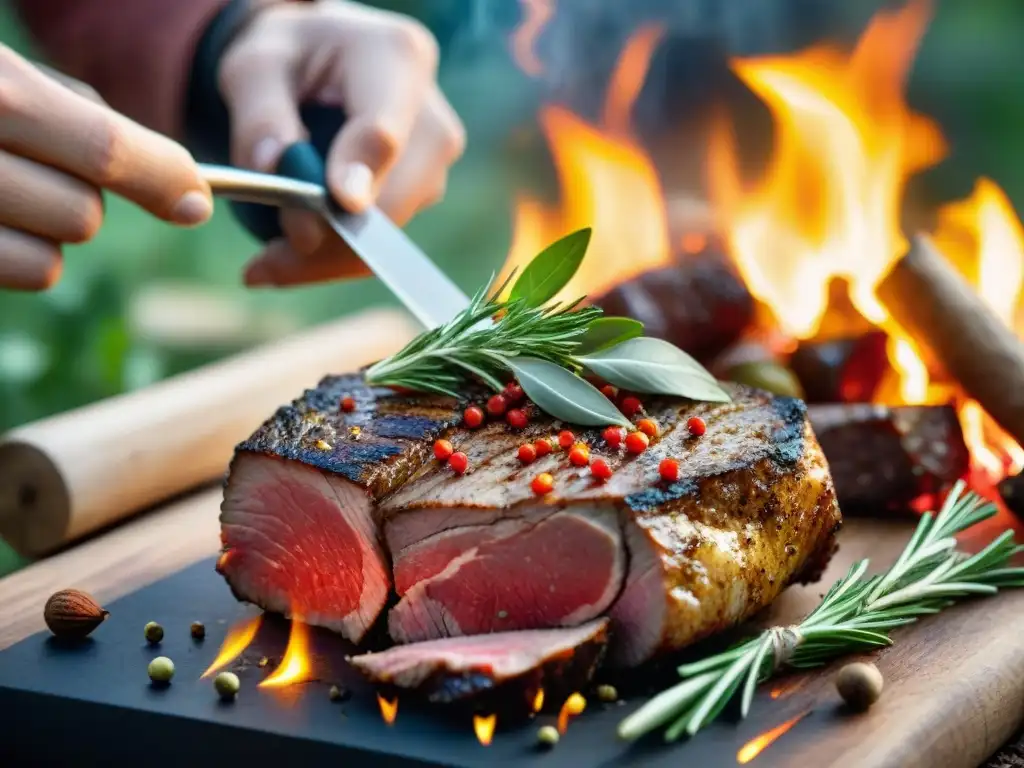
pixel 60 146
pixel 397 144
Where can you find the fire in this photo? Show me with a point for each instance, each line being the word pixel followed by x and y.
pixel 483 726
pixel 757 745
pixel 239 638
pixel 828 207
pixel 388 708
pixel 295 667
pixel 607 181
pixel 573 706
pixel 538 700
pixel 536 14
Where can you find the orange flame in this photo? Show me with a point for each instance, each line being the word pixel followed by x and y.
pixel 628 78
pixel 757 745
pixel 828 207
pixel 607 182
pixel 388 709
pixel 573 706
pixel 239 638
pixel 295 667
pixel 538 700
pixel 483 726
pixel 536 14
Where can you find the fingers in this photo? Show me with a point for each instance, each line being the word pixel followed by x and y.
pixel 383 83
pixel 281 265
pixel 42 201
pixel 257 87
pixel 419 179
pixel 27 263
pixel 51 124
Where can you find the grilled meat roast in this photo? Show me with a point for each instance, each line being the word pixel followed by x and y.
pixel 523 663
pixel 323 507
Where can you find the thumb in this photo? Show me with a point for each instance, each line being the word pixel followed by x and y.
pixel 261 102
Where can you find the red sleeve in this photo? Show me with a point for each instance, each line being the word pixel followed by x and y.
pixel 135 53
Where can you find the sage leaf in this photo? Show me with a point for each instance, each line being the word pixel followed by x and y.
pixel 561 393
pixel 653 366
pixel 551 269
pixel 608 331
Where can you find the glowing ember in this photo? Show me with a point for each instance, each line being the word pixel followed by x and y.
pixel 295 667
pixel 239 638
pixel 607 181
pixel 573 706
pixel 536 13
pixel 538 700
pixel 483 726
pixel 757 745
pixel 388 709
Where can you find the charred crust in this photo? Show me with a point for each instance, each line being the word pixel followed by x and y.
pixel 649 498
pixel 788 433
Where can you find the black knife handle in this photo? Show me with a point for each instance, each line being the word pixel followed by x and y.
pixel 302 161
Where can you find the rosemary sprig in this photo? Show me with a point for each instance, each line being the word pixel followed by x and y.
pixel 439 360
pixel 856 614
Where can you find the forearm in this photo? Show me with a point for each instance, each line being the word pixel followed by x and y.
pixel 136 53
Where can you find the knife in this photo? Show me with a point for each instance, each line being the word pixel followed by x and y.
pixel 391 255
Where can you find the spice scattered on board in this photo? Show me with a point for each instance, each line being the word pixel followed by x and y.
pixel 72 614
pixel 161 670
pixel 547 736
pixel 197 630
pixel 860 685
pixel 607 693
pixel 154 632
pixel 227 685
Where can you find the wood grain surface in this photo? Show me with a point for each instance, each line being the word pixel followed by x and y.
pixel 954 684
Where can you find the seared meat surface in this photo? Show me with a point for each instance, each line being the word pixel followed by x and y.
pixel 553 660
pixel 305 523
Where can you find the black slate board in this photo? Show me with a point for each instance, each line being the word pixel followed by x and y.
pixel 92 704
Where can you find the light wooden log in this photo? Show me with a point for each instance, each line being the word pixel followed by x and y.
pixel 936 306
pixel 68 476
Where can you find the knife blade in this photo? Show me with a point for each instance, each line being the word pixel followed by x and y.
pixel 415 280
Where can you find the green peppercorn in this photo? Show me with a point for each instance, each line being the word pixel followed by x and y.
pixel 607 693
pixel 860 685
pixel 198 630
pixel 161 670
pixel 227 685
pixel 547 735
pixel 154 632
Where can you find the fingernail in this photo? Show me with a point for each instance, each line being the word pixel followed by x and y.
pixel 357 186
pixel 192 208
pixel 265 154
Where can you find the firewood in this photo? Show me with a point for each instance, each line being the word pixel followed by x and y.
pixel 882 458
pixel 846 370
pixel 699 304
pixel 1012 491
pixel 942 313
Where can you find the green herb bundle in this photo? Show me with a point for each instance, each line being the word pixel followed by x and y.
pixel 547 346
pixel 856 614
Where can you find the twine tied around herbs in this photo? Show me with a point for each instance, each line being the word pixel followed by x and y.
pixel 785 641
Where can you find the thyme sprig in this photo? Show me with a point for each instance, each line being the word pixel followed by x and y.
pixel 856 614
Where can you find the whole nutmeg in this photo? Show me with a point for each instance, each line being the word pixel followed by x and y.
pixel 860 685
pixel 197 630
pixel 73 614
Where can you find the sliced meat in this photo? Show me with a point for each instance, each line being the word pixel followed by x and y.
pixel 546 567
pixel 298 526
pixel 753 511
pixel 464 667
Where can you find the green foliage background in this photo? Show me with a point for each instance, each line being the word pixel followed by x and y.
pixel 78 342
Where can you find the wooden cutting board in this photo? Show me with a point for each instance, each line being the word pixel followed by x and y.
pixel 954 684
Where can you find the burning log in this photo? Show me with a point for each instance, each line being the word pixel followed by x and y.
pixel 1011 489
pixel 886 457
pixel 846 370
pixel 940 311
pixel 699 304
